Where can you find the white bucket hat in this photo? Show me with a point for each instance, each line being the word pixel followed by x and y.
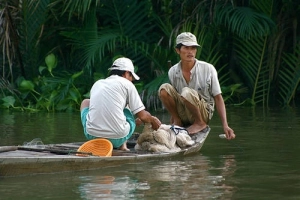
pixel 187 39
pixel 124 64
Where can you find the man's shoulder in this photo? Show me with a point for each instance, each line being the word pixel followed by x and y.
pixel 116 78
pixel 202 65
pixel 175 67
pixel 200 62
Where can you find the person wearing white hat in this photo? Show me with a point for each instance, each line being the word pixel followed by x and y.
pixel 194 90
pixel 109 113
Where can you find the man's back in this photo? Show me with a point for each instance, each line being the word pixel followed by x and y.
pixel 107 101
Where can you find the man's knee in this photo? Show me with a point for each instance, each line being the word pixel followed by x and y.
pixel 186 93
pixel 164 86
pixel 163 94
pixel 190 95
pixel 162 91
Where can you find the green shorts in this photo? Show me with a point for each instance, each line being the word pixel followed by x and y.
pixel 116 142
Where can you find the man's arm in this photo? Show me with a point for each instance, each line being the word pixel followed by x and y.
pixel 146 117
pixel 220 106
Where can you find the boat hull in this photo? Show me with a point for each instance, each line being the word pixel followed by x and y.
pixel 16 161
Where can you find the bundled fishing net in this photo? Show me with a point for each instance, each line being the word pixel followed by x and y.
pixel 35 143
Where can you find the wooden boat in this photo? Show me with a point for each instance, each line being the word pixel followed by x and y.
pixel 55 158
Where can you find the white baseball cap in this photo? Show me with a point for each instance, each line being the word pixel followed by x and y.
pixel 124 64
pixel 187 39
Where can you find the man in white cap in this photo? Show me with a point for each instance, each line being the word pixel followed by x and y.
pixel 194 90
pixel 109 113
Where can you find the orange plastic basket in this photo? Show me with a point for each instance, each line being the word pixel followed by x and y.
pixel 98 147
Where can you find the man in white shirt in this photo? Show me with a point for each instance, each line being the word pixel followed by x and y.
pixel 109 113
pixel 194 90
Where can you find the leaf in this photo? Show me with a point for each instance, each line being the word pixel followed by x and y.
pixel 289 76
pixel 9 101
pixel 117 37
pixel 76 75
pixel 41 69
pixel 26 85
pixel 74 95
pixel 244 21
pixel 51 61
pixel 252 61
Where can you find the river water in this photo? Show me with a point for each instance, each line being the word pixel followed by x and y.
pixel 261 163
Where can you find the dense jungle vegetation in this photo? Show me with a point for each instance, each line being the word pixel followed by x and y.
pixel 52 51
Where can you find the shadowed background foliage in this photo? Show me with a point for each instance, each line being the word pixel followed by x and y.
pixel 54 50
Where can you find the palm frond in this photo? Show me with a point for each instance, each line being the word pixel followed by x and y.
pixel 130 17
pixel 253 67
pixel 127 25
pixel 75 7
pixel 34 16
pixel 265 6
pixel 9 39
pixel 244 21
pixel 289 77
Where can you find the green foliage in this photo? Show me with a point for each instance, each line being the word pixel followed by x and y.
pixel 289 77
pixel 244 21
pixel 232 94
pixel 34 15
pixel 47 91
pixel 8 101
pixel 51 62
pixel 252 40
pixel 59 92
pixel 26 85
pixel 253 66
pixel 116 37
pixel 150 93
pixel 81 7
pixel 9 94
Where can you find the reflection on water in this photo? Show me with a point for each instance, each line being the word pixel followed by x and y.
pixel 261 163
pixel 181 178
pixel 93 187
pixel 186 178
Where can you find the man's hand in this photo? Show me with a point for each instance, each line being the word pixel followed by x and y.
pixel 155 122
pixel 229 133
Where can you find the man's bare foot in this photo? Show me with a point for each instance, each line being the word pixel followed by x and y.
pixel 124 147
pixel 195 128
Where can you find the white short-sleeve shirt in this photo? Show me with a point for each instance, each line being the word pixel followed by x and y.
pixel 204 79
pixel 108 98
